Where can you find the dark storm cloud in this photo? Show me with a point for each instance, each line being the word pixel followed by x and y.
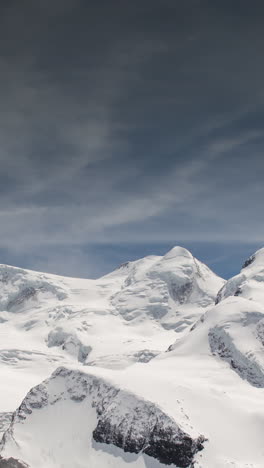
pixel 129 121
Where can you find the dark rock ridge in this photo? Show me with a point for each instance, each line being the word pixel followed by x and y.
pixel 260 331
pixel 5 419
pixel 156 436
pixel 219 295
pixel 222 345
pixel 24 295
pixel 180 294
pixel 145 355
pixel 123 419
pixel 12 463
pixel 249 261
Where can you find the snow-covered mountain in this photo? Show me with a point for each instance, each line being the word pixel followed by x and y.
pixel 172 289
pixel 147 370
pixel 122 318
pixel 96 414
pixel 249 282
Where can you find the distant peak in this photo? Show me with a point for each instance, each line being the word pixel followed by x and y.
pixel 257 257
pixel 178 251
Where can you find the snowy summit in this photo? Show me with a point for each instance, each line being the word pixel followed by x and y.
pixel 159 363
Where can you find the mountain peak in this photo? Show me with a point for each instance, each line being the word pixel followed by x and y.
pixel 249 282
pixel 257 258
pixel 178 251
pixel 114 331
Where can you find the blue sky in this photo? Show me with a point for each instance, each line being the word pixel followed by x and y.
pixel 130 127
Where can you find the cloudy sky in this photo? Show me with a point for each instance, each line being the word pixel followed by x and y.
pixel 127 127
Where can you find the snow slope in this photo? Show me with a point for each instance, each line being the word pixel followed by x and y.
pixel 47 320
pixel 94 414
pixel 172 289
pixel 249 283
pixel 131 391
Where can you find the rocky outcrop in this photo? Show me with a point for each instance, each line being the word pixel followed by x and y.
pixel 123 419
pixel 5 419
pixel 148 430
pixel 222 345
pixel 249 261
pixel 12 463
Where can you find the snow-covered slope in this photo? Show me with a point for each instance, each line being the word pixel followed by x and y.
pixel 131 391
pixel 101 419
pixel 250 281
pixel 47 320
pixel 172 289
pixel 233 331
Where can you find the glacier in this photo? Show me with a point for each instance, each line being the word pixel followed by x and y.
pixel 158 363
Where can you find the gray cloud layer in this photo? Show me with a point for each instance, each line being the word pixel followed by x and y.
pixel 129 122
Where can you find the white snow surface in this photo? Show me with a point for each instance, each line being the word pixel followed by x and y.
pixel 71 403
pixel 151 330
pixel 48 320
pixel 249 283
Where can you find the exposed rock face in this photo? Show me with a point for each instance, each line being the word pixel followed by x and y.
pixel 123 419
pixel 222 345
pixel 146 429
pixel 5 419
pixel 260 331
pixel 180 293
pixel 23 295
pixel 249 261
pixel 12 463
pixel 145 355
